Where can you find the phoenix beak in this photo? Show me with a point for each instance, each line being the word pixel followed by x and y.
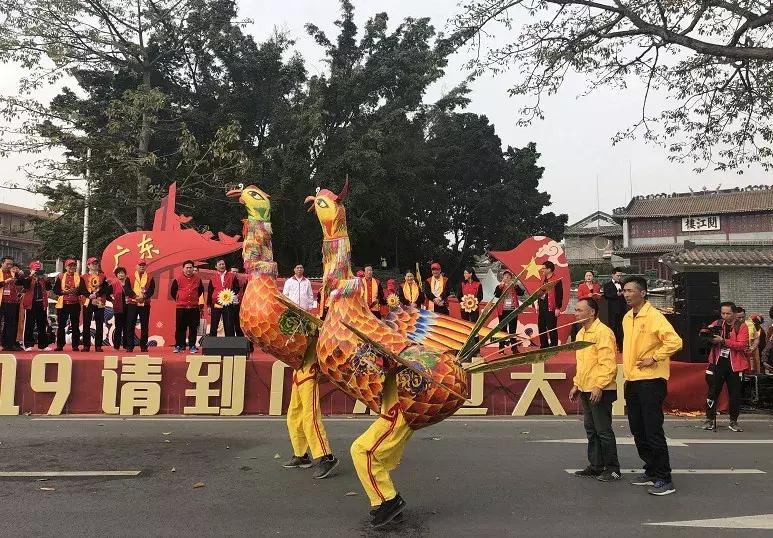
pixel 234 193
pixel 310 199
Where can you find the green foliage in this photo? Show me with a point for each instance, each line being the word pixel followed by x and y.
pixel 193 99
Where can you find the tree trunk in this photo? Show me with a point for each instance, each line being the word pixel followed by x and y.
pixel 143 181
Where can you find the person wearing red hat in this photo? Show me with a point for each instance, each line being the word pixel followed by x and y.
pixel 35 303
pixel 9 304
pixel 436 290
pixel 70 288
pixel 138 307
pixel 94 305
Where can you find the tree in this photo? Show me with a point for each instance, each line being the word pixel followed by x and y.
pixel 140 42
pixel 712 58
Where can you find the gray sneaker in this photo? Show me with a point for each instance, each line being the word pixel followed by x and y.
pixel 643 480
pixel 325 466
pixel 709 425
pixel 303 462
pixel 733 426
pixel 661 488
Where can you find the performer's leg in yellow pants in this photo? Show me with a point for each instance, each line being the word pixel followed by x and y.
pixel 304 419
pixel 379 449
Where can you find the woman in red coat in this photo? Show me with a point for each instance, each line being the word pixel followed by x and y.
pixel 589 288
pixel 470 294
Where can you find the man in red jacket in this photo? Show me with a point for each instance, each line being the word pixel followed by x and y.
pixel 222 280
pixel 9 304
pixel 549 308
pixel 35 303
pixel 188 292
pixel 727 361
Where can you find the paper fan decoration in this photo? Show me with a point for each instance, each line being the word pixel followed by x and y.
pixel 226 298
pixel 393 301
pixel 469 303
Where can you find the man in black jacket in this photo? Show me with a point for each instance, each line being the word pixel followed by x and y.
pixel 616 307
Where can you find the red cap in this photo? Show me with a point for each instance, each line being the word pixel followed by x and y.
pixel 91 260
pixel 36 265
pixel 435 265
pixel 142 262
pixel 70 261
pixel 360 274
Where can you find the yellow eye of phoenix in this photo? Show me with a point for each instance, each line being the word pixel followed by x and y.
pixel 256 195
pixel 321 203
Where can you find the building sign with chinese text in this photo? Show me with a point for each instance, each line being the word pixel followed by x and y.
pixel 700 224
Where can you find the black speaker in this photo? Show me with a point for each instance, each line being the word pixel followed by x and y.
pixel 696 278
pixel 697 293
pixel 225 346
pixel 694 348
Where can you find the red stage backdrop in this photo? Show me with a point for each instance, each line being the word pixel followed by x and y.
pixel 526 260
pixel 165 248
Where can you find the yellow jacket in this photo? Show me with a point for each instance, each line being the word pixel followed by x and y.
pixel 648 335
pixel 596 364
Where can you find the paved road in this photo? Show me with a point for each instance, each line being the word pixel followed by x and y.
pixel 472 477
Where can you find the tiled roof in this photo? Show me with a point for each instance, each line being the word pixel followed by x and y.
pixel 606 231
pixel 699 203
pixel 741 255
pixel 18 210
pixel 645 249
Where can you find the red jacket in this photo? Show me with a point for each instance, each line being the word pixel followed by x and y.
pixel 583 292
pixel 555 297
pixel 186 291
pixel 11 291
pixel 737 340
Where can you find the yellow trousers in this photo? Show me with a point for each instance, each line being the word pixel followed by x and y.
pixel 304 419
pixel 380 448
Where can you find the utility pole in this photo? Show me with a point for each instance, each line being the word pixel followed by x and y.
pixel 87 201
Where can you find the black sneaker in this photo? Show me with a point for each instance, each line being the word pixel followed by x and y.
pixel 588 472
pixel 609 476
pixel 661 488
pixel 325 466
pixel 710 425
pixel 388 511
pixel 303 462
pixel 733 426
pixel 643 480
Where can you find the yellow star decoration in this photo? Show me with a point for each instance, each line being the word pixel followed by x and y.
pixel 532 269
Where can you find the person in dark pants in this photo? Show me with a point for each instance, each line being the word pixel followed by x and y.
pixel 222 280
pixel 188 292
pixel 138 306
pixel 550 305
pixel 120 290
pixel 94 306
pixel 649 340
pixel 35 303
pixel 506 307
pixel 9 304
pixel 616 306
pixel 437 290
pixel 70 288
pixel 728 360
pixel 594 382
pixel 472 287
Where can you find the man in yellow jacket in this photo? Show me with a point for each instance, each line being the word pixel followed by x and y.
pixel 649 340
pixel 594 381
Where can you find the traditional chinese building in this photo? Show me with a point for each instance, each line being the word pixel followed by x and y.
pixel 17 232
pixel 589 243
pixel 659 224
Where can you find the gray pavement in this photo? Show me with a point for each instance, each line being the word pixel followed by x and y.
pixel 474 477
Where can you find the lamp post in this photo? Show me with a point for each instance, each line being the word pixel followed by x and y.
pixel 87 201
pixel 383 262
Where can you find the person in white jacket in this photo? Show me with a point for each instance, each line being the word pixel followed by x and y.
pixel 298 289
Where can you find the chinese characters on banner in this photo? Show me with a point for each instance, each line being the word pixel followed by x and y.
pixel 214 385
pixel 700 224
